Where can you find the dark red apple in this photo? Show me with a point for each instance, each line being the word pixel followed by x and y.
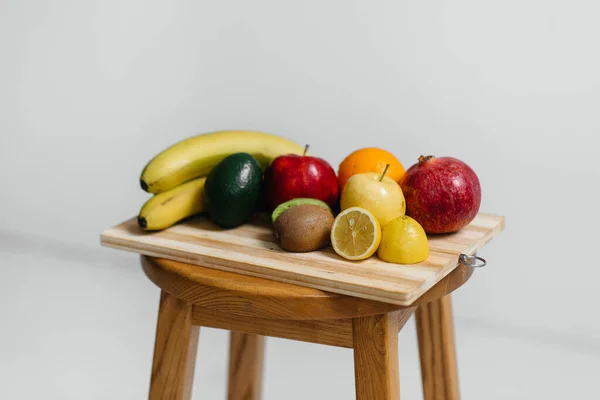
pixel 442 194
pixel 292 176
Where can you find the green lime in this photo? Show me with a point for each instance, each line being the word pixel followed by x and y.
pixel 232 190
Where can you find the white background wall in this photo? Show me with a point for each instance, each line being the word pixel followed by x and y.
pixel 89 91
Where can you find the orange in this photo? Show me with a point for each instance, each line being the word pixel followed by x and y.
pixel 369 159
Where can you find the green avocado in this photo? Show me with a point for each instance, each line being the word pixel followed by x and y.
pixel 232 190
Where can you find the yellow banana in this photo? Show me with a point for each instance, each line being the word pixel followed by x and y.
pixel 197 155
pixel 167 208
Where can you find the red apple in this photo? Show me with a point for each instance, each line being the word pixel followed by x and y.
pixel 292 176
pixel 442 194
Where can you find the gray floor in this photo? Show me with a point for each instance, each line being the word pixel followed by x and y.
pixel 79 324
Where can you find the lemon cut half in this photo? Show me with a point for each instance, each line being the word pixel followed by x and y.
pixel 355 234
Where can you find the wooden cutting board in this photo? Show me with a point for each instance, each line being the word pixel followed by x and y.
pixel 251 249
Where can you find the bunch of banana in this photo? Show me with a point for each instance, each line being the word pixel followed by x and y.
pixel 164 209
pixel 176 175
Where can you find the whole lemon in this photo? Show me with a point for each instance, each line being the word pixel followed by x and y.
pixel 403 241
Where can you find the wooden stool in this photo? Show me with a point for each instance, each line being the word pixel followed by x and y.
pixel 252 308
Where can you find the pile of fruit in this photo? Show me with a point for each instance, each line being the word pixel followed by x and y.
pixel 372 205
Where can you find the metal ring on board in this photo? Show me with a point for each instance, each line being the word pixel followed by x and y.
pixel 471 261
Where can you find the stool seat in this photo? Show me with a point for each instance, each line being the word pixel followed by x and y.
pixel 250 296
pixel 253 308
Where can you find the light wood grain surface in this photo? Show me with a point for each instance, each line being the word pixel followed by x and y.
pixel 437 351
pixel 376 357
pixel 246 356
pixel 174 351
pixel 336 332
pixel 251 250
pixel 249 296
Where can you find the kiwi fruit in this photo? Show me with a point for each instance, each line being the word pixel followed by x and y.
pixel 296 202
pixel 303 228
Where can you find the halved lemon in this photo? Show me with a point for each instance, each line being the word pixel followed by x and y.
pixel 355 234
pixel 403 241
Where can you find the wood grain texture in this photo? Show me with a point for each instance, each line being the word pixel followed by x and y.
pixel 246 355
pixel 254 297
pixel 435 332
pixel 174 351
pixel 376 357
pixel 250 250
pixel 471 238
pixel 336 332
pixel 257 297
pixel 404 315
pixel 450 283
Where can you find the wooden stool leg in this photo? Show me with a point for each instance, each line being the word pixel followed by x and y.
pixel 174 351
pixel 376 357
pixel 435 331
pixel 246 353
